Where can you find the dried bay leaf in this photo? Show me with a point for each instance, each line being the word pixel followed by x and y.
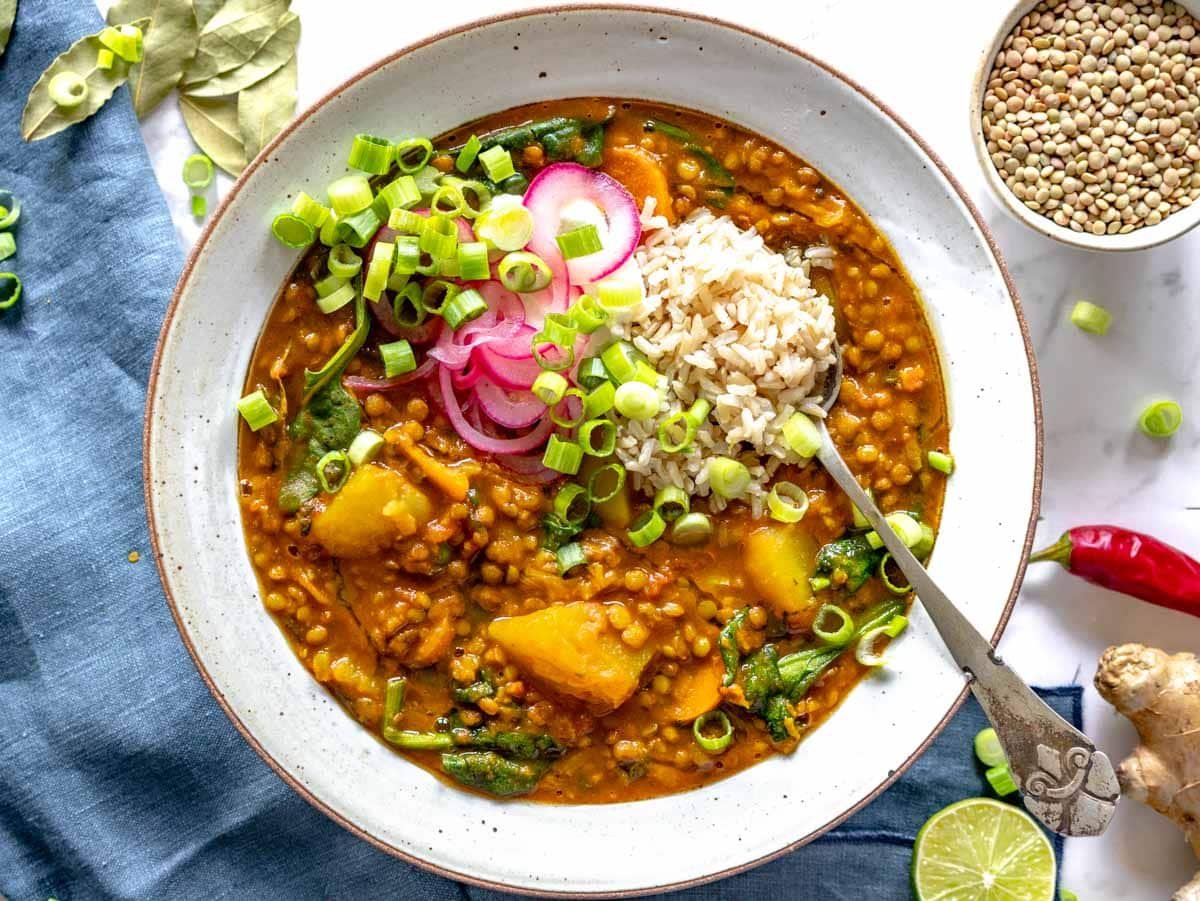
pixel 213 125
pixel 43 117
pixel 271 56
pixel 266 107
pixel 8 15
pixel 233 36
pixel 170 41
pixel 206 9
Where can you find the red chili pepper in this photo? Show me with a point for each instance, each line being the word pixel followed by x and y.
pixel 1131 563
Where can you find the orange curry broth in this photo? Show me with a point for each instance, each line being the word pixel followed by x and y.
pixel 410 608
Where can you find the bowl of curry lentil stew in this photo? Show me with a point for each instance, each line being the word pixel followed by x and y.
pixel 514 508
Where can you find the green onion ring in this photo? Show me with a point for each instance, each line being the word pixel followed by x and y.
pixel 409 163
pixel 680 425
pixel 570 556
pixel 864 651
pixel 549 387
pixel 562 455
pixel 787 502
pixel 407 307
pixel 691 529
pixel 451 194
pixel 334 458
pixel 10 290
pixel 887 582
pixel 8 245
pixel 713 744
pixel 437 294
pixel 68 90
pixel 292 231
pixel 393 703
pixel 671 502
pixel 523 272
pixel 198 174
pixel 646 529
pixel 343 261
pixel 560 413
pixel 727 477
pixel 572 504
pixel 371 154
pixel 598 437
pixel 595 483
pixel 10 209
pixel 1161 419
pixel 839 636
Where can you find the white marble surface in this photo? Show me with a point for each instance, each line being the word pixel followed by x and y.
pixel 920 58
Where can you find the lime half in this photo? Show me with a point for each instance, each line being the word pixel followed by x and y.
pixel 982 850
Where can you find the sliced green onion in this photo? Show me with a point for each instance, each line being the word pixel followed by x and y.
pixel 637 401
pixel 646 374
pixel 371 154
pixel 572 504
pixel 549 387
pixel 861 521
pixel 397 281
pixel 357 228
pixel 379 271
pixel 466 156
pixel 407 308
pixel 339 462
pixel 476 195
pixel 523 272
pixel 588 315
pixel 591 373
pixel 896 625
pixel 292 231
pixel 698 411
pixel 903 525
pixel 988 748
pixel 713 744
pixel 199 206
pixel 8 245
pixel 463 307
pixel 350 194
pixel 255 409
pixel 560 413
pixel 606 483
pixel 198 174
pixel 448 268
pixel 646 529
pixel 439 237
pixel 10 290
pixel 406 221
pixel 343 261
pixel 1001 780
pixel 1091 318
pixel 328 285
pixel 311 211
pixel 558 332
pixel 329 230
pixel 865 651
pixel 408 254
pixel 676 433
pixel 562 456
pixel 579 242
pixel 842 632
pixel 570 556
pixel 922 548
pixel 1161 419
pixel 1065 894
pixel 448 200
pixel 598 437
pixel 818 583
pixel 497 163
pixel 728 477
pixel 943 463
pixel 787 502
pixel 506 224
pixel 473 262
pixel 393 703
pixel 338 299
pixel 398 358
pixel 887 580
pixel 10 209
pixel 621 359
pixel 400 194
pixel 671 502
pixel 125 41
pixel 619 294
pixel 68 90
pixel 427 180
pixel 105 59
pixel 365 447
pixel 599 400
pixel 802 436
pixel 691 529
pixel 413 154
pixel 437 294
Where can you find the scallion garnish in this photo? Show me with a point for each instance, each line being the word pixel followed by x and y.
pixel 606 483
pixel 618 293
pixel 365 447
pixel 357 228
pixel 408 254
pixel 802 436
pixel 497 163
pixel 599 400
pixel 1091 318
pixel 838 632
pixel 463 307
pixel 727 477
pixel 125 41
pixel 343 261
pixel 336 463
pixel 598 437
pixel 255 409
pixel 570 556
pixel 903 525
pixel 572 504
pixel 591 372
pixel 549 387
pixel 437 294
pixel 672 502
pixel 448 200
pixel 473 262
pixel 407 307
pixel 559 334
pixel 68 90
pixel 336 300
pixel 579 242
pixel 105 59
pixel 329 284
pixel 637 400
pixel 379 270
pixel 1161 419
pixel 413 154
pixel 10 209
pixel 523 273
pixel 439 236
pixel 292 231
pixel 562 456
pixel 713 744
pixel 10 290
pixel 350 194
pixel 198 174
pixel 371 154
pixel 8 245
pixel 787 502
pixel 466 156
pixel 691 529
pixel 311 211
pixel 1001 780
pixel 943 463
pixel 588 315
pixel 646 529
pixel 621 359
pixel 398 358
pixel 506 224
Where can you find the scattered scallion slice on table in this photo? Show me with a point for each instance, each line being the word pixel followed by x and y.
pixel 10 290
pixel 8 245
pixel 68 90
pixel 1161 419
pixel 198 173
pixel 1091 318
pixel 988 749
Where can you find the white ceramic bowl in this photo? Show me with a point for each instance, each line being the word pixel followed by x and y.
pixel 1172 227
pixel 234 274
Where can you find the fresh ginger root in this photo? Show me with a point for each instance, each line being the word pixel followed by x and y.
pixel 1160 694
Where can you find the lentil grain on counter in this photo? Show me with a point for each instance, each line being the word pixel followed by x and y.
pixel 1090 113
pixel 421 605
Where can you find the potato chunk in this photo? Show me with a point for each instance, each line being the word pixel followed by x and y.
pixel 779 560
pixel 374 508
pixel 573 650
pixel 696 690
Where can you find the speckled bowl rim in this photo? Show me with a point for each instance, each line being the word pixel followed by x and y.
pixel 1177 224
pixel 198 250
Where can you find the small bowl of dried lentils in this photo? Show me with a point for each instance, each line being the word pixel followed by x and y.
pixel 1086 120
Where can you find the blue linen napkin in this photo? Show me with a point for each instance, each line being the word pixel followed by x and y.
pixel 119 775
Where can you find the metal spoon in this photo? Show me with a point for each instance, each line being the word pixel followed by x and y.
pixel 1067 783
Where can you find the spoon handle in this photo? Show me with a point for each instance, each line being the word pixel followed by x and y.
pixel 1067 783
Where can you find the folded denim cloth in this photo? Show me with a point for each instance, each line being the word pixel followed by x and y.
pixel 119 775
